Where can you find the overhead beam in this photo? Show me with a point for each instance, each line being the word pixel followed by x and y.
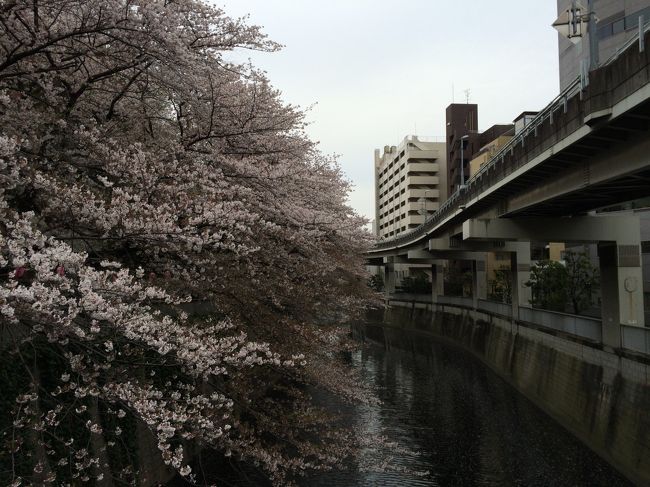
pixel 620 228
pixel 492 245
pixel 600 169
pixel 453 254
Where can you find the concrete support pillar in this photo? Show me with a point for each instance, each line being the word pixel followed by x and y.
pixel 434 282
pixel 621 288
pixel 474 287
pixel 389 279
pixel 519 275
pixel 481 277
pixel 609 285
pixel 514 286
pixel 440 279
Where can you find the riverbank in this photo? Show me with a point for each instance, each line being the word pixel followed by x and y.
pixel 599 396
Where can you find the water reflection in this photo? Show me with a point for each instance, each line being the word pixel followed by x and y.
pixel 468 426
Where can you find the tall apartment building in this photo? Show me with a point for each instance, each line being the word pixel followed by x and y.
pixel 410 181
pixel 462 129
pixel 618 21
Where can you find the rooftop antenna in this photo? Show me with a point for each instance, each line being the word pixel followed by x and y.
pixel 453 94
pixel 467 92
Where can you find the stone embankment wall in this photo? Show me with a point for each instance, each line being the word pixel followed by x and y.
pixel 602 397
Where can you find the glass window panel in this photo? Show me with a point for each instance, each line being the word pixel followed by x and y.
pixel 618 26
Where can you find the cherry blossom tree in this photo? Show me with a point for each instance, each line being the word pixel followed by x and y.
pixel 175 253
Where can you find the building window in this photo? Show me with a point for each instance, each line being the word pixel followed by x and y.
pixel 618 26
pixel 604 32
pixel 632 20
pixel 609 28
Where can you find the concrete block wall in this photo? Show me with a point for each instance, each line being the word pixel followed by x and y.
pixel 601 397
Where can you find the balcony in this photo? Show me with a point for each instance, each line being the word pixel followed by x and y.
pixel 422 180
pixel 432 167
pixel 414 219
pixel 415 153
pixel 418 206
pixel 424 193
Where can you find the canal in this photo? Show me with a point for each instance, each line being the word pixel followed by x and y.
pixel 468 427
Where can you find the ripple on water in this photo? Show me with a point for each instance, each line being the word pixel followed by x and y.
pixel 466 426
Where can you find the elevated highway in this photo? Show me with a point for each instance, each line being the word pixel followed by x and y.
pixel 588 149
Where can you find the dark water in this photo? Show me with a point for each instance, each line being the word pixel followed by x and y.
pixel 467 426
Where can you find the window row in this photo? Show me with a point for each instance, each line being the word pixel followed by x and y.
pixel 622 24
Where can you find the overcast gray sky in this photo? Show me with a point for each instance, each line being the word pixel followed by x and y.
pixel 378 70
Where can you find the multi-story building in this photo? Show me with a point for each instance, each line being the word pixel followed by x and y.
pixel 410 181
pixel 464 141
pixel 522 120
pixel 462 129
pixel 618 21
pixel 487 152
pixel 490 144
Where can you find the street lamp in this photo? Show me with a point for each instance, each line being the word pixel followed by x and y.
pixel 462 161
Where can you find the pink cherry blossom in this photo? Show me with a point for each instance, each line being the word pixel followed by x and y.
pixel 132 147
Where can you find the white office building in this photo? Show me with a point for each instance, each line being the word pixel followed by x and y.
pixel 410 182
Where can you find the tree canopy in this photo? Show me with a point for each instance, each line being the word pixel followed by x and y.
pixel 168 235
pixel 555 284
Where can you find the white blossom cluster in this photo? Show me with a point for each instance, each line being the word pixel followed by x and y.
pixel 168 238
pixel 108 310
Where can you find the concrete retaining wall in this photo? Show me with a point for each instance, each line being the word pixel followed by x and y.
pixel 601 397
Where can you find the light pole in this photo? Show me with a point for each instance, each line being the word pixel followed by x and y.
pixel 462 161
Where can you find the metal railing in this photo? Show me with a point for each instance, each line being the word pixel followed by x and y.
pixel 495 307
pixel 630 42
pixel 464 195
pixel 456 301
pixel 580 326
pixel 460 199
pixel 410 297
pixel 635 338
